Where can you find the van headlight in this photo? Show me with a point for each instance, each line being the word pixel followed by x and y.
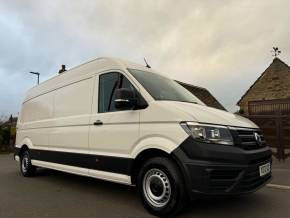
pixel 208 133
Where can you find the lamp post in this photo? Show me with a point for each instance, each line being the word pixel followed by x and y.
pixel 36 73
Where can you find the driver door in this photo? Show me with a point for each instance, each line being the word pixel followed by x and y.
pixel 113 133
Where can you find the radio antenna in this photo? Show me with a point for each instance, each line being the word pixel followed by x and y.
pixel 147 65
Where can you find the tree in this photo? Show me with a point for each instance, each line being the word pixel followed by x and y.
pixel 3 119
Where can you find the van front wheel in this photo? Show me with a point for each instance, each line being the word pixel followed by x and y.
pixel 26 167
pixel 161 187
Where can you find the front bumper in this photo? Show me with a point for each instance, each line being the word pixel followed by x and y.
pixel 211 169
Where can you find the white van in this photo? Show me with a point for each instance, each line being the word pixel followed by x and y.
pixel 122 122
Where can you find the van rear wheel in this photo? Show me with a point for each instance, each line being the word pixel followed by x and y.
pixel 161 187
pixel 26 167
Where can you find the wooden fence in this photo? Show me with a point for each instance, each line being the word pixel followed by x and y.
pixel 273 117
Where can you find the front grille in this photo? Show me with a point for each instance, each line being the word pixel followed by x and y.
pixel 246 139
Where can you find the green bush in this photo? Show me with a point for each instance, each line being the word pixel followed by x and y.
pixel 5 136
pixel 1 137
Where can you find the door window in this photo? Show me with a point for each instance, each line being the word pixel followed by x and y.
pixel 108 84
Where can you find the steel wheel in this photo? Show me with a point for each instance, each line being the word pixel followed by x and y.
pixel 26 167
pixel 157 187
pixel 25 163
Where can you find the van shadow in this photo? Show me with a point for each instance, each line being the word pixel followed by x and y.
pixel 91 188
pixel 128 195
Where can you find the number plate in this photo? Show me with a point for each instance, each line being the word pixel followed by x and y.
pixel 265 169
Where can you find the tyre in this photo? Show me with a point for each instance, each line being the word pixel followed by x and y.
pixel 26 168
pixel 161 187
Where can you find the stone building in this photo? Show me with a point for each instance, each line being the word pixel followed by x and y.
pixel 273 85
pixel 204 95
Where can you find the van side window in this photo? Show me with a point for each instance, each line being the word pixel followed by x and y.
pixel 108 84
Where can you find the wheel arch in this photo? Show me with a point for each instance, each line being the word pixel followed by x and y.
pixel 26 144
pixel 147 154
pixel 22 150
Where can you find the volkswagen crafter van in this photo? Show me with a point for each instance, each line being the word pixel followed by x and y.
pixel 125 123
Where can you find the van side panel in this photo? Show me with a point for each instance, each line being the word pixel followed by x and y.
pixel 36 117
pixel 57 123
pixel 74 99
pixel 71 116
pixel 38 109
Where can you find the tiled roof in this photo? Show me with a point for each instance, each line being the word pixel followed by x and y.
pixel 276 62
pixel 204 95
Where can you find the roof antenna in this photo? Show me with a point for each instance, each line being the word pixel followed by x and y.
pixel 147 65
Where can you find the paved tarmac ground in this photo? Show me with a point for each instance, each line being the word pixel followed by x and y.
pixel 56 194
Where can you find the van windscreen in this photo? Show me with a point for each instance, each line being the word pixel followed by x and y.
pixel 163 88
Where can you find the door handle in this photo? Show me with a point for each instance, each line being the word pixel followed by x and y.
pixel 98 123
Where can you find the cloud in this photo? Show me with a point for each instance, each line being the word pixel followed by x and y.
pixel 221 45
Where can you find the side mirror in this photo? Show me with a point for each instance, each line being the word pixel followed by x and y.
pixel 125 99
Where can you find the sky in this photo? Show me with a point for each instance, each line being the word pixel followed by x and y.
pixel 221 45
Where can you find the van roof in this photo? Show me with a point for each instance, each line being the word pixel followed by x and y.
pixel 81 71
